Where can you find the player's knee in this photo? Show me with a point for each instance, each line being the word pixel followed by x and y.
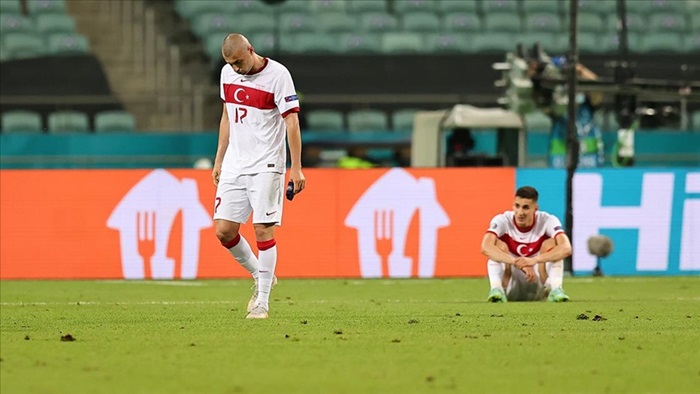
pixel 264 232
pixel 225 233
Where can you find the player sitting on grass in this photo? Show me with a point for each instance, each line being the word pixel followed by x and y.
pixel 525 248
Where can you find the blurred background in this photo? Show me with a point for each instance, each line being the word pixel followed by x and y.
pixel 134 83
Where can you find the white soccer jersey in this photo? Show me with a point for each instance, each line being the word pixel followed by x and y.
pixel 256 105
pixel 525 241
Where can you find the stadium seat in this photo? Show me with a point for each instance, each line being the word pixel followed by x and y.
pixel 404 6
pixel 251 23
pixel 611 43
pixel 68 121
pixel 190 9
pixel 668 22
pixel 15 23
pixel 325 120
pixel 294 6
pixel 661 43
pixel 538 121
pixel 502 23
pixel 589 22
pixel 691 43
pixel 543 22
pixel 360 43
pixel 332 22
pixel 114 121
pixel 204 25
pixel 533 6
pixel 21 121
pixel 494 42
pixel 366 120
pixel 37 7
pixel 367 6
pixel 695 21
pixel 248 6
pixel 378 22
pixel 23 45
pixel 672 6
pixel 421 22
pixel 68 44
pixel 8 7
pixel 212 45
pixel 264 43
pixel 587 42
pixel 402 119
pixel 499 6
pixel 402 43
pixel 600 7
pixel 296 22
pixel 448 43
pixel 449 6
pixel 55 23
pixel 308 43
pixel 3 53
pixel 635 23
pixel 462 22
pixel 548 41
pixel 334 6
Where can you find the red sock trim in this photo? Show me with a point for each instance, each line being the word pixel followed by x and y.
pixel 232 243
pixel 265 245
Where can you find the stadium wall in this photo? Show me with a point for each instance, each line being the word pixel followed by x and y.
pixel 136 224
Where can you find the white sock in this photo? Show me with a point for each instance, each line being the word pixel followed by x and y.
pixel 496 271
pixel 555 273
pixel 241 251
pixel 268 261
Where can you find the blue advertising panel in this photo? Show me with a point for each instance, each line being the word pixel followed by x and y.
pixel 651 215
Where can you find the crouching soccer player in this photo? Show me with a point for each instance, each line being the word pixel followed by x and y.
pixel 525 248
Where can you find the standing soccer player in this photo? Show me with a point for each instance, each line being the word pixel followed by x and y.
pixel 525 248
pixel 260 107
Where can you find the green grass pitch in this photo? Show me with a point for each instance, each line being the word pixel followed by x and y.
pixel 617 335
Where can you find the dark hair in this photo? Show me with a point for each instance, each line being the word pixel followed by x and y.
pixel 527 192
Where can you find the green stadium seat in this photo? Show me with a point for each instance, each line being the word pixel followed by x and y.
pixel 212 45
pixel 190 9
pixel 367 120
pixel 106 121
pixel 533 6
pixel 611 42
pixel 671 6
pixel 502 22
pixel 378 22
pixel 204 25
pixel 403 6
pixel 421 22
pixel 402 43
pixel 587 42
pixel 15 23
pixel 55 23
pixel 548 41
pixel 21 121
pixel 360 43
pixel 264 43
pixel 494 42
pixel 3 53
pixel 295 22
pixel 538 121
pixel 308 43
pixel 543 22
pixel 668 22
pixel 23 45
pixel 449 6
pixel 367 6
pixel 248 6
pixel 462 22
pixel 294 6
pixel 695 21
pixel 691 43
pixel 321 6
pixel 325 120
pixel 589 22
pixel 37 7
pixel 8 7
pixel 635 23
pixel 499 6
pixel 68 44
pixel 339 23
pixel 661 43
pixel 251 23
pixel 402 119
pixel 600 7
pixel 68 121
pixel 448 43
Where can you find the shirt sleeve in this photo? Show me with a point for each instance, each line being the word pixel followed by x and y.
pixel 286 97
pixel 553 226
pixel 498 225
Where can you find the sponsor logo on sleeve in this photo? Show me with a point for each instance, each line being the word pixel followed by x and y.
pixel 291 98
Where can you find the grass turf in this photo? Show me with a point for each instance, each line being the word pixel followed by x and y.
pixel 348 336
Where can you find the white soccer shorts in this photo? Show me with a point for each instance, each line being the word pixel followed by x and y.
pixel 519 289
pixel 239 195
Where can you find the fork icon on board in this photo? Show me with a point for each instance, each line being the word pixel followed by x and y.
pixel 146 235
pixel 384 237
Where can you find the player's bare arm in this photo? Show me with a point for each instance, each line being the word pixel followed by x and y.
pixel 294 140
pixel 492 251
pixel 222 145
pixel 560 251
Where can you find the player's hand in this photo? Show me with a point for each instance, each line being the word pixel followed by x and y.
pixel 522 262
pixel 530 274
pixel 215 174
pixel 296 176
